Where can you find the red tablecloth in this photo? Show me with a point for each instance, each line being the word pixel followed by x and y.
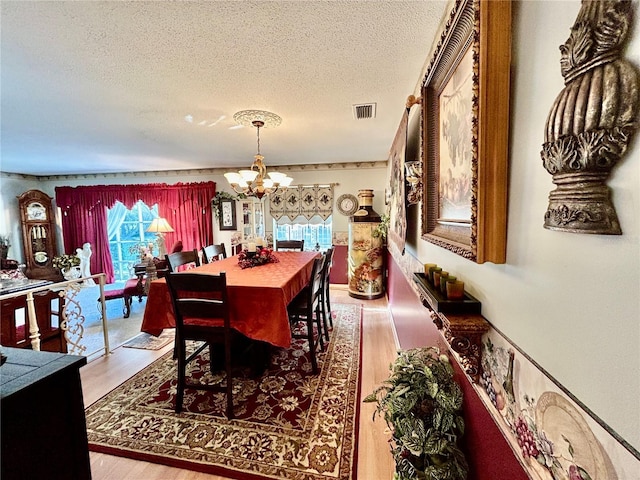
pixel 258 296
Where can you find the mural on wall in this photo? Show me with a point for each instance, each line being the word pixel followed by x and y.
pixel 395 193
pixel 553 437
pixel 592 120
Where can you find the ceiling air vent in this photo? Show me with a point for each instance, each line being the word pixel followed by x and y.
pixel 364 110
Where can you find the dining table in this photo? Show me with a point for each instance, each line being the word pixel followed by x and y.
pixel 258 296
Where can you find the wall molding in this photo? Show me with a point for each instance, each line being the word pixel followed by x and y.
pixel 198 171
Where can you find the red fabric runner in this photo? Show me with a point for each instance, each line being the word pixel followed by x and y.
pixel 258 296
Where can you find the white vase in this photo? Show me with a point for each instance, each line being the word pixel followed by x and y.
pixel 71 273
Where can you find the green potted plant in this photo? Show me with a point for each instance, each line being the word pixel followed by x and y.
pixel 382 229
pixel 422 405
pixel 4 246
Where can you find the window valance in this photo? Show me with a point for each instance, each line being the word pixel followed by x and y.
pixel 171 196
pixel 302 200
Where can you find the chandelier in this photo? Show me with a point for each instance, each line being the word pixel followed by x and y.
pixel 253 182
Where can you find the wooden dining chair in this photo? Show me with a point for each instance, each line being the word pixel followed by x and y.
pixel 305 310
pixel 178 259
pixel 291 245
pixel 211 253
pixel 201 310
pixel 326 299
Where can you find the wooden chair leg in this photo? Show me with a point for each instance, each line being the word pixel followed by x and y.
pixel 312 345
pixel 127 306
pixel 179 350
pixel 321 333
pixel 227 358
pixel 324 321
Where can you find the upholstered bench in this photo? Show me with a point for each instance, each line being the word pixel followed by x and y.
pixel 129 290
pixel 119 293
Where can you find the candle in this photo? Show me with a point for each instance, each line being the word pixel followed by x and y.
pixel 427 266
pixel 260 242
pixel 431 271
pixel 251 247
pixel 435 276
pixel 455 290
pixel 443 284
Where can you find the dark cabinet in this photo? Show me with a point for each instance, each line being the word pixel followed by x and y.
pixel 44 433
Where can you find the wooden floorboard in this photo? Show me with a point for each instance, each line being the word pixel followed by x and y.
pixel 378 350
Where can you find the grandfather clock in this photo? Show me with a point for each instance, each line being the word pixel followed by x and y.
pixel 38 234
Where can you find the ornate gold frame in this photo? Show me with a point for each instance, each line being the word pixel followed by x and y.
pixel 484 27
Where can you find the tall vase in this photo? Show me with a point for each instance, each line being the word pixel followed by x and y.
pixel 366 252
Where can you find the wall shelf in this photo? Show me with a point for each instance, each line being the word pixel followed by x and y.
pixel 459 322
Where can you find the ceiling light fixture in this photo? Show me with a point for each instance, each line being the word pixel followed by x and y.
pixel 253 182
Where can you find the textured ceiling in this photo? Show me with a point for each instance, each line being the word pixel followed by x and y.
pixel 106 86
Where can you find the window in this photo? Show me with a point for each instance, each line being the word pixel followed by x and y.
pixel 316 236
pixel 127 232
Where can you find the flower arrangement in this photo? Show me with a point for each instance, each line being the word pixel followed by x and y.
pixel 261 256
pixel 66 261
pixel 144 251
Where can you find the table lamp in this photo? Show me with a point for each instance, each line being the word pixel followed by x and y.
pixel 160 226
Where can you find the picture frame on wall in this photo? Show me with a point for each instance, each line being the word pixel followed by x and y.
pixel 228 214
pixel 465 132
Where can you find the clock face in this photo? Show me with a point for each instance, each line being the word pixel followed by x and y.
pixel 35 211
pixel 347 204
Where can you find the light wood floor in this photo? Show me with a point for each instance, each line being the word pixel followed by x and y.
pixel 378 350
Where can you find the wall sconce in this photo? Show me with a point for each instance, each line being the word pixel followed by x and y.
pixel 413 175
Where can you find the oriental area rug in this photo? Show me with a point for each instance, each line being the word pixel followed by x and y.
pixel 289 423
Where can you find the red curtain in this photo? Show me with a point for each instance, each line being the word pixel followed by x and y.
pixel 186 206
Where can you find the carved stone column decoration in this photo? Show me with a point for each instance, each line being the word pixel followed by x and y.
pixel 592 120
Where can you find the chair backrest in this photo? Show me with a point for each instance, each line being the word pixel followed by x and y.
pixel 211 253
pixel 199 296
pixel 328 258
pixel 282 245
pixel 175 260
pixel 315 282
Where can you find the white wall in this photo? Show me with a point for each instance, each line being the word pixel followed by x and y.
pixel 570 301
pixel 10 188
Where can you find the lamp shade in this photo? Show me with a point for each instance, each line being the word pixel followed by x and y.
pixel 159 225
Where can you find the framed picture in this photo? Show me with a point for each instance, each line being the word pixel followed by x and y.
pixel 228 214
pixel 465 133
